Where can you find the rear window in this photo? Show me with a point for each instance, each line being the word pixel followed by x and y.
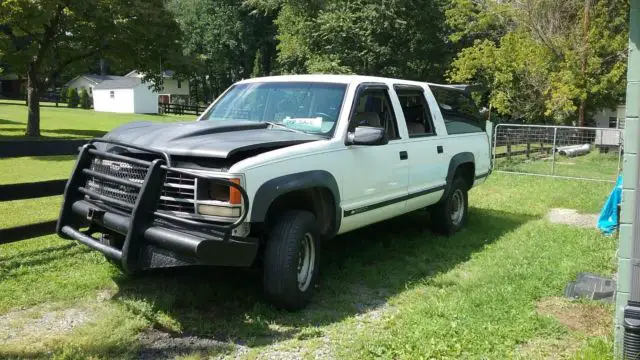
pixel 459 111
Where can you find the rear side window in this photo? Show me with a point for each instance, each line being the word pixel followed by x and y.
pixel 459 111
pixel 416 111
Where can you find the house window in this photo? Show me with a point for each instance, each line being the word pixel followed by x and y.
pixel 613 122
pixel 179 84
pixel 112 94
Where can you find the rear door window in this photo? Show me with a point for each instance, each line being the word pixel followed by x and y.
pixel 459 111
pixel 416 111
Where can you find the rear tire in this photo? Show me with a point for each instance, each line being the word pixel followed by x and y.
pixel 450 215
pixel 291 260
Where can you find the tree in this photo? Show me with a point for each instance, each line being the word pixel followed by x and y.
pixel 403 38
pixel 43 38
pixel 62 96
pixel 72 98
pixel 85 100
pixel 542 60
pixel 258 67
pixel 222 40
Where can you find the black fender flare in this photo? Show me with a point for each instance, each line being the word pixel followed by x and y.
pixel 457 160
pixel 269 191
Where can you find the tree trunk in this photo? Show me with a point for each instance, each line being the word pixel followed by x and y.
pixel 583 62
pixel 33 103
pixel 581 111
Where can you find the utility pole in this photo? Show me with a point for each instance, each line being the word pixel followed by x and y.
pixel 628 284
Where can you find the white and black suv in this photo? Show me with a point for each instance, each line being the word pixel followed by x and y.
pixel 272 169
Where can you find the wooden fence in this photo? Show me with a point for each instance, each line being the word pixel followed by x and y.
pixel 180 109
pixel 33 190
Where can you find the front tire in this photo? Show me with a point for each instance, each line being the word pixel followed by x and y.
pixel 450 215
pixel 291 260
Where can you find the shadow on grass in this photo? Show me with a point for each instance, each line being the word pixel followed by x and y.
pixel 9 122
pixel 75 133
pixel 50 249
pixel 360 272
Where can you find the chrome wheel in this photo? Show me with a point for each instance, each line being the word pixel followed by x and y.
pixel 306 262
pixel 457 207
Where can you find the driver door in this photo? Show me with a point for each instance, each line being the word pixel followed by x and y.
pixel 376 177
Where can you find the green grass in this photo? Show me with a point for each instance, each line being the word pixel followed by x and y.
pixel 24 212
pixel 63 122
pixel 592 166
pixel 34 169
pixel 393 290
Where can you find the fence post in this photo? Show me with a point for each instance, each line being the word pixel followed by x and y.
pixel 528 147
pixel 508 140
pixel 553 149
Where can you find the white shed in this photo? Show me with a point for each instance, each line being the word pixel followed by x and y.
pixel 125 95
pixel 88 82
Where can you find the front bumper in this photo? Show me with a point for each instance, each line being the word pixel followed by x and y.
pixel 151 238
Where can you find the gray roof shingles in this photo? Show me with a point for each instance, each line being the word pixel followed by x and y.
pixel 122 83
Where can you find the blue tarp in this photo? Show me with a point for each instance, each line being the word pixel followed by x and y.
pixel 608 220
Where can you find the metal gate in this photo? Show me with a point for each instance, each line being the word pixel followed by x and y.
pixel 558 151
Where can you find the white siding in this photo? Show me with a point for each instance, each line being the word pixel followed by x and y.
pixel 602 117
pixel 170 86
pixel 145 100
pixel 81 83
pixel 122 101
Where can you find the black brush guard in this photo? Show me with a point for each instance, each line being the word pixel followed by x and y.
pixel 146 231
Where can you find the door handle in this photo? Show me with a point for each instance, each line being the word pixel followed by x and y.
pixel 440 149
pixel 404 155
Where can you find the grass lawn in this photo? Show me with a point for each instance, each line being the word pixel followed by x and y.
pixel 393 291
pixel 593 165
pixel 63 122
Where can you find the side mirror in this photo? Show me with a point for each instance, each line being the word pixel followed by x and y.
pixel 367 135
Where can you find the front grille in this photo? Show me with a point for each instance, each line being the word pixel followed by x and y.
pixel 178 191
pixel 118 169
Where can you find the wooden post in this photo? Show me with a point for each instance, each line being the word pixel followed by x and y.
pixel 528 147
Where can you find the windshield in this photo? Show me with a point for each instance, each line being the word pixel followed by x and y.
pixel 301 106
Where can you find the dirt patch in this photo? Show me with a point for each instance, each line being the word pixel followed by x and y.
pixel 571 217
pixel 589 319
pixel 156 344
pixel 40 322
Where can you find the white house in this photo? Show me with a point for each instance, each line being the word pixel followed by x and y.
pixel 173 90
pixel 125 95
pixel 88 82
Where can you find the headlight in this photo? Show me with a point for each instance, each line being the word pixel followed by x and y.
pixel 219 199
pixel 221 192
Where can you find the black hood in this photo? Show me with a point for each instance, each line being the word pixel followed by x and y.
pixel 219 139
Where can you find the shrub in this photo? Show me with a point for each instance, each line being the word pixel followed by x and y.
pixel 72 98
pixel 62 97
pixel 85 100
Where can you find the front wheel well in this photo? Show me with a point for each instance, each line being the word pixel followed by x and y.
pixel 317 200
